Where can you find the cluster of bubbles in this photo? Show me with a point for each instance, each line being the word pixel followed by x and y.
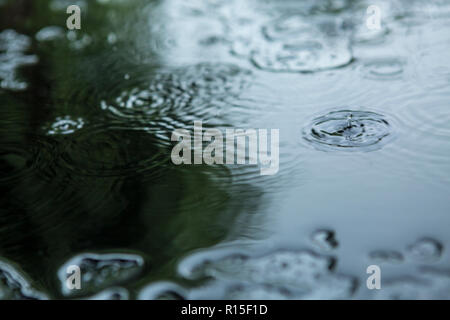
pixel 101 275
pixel 238 274
pixel 101 272
pixel 426 250
pixel 427 283
pixel 282 274
pixel 311 37
pixel 301 274
pixel 243 274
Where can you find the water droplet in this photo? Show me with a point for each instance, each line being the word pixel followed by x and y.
pixel 366 132
pixel 324 239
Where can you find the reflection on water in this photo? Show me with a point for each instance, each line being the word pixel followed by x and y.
pixel 86 178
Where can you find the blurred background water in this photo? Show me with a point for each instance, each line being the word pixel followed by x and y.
pixel 85 172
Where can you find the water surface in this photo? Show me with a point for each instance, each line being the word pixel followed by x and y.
pixel 86 177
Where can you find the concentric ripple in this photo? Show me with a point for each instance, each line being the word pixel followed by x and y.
pixel 294 43
pixel 302 56
pixel 383 69
pixel 174 97
pixel 65 125
pixel 348 130
pixel 113 150
pixel 19 160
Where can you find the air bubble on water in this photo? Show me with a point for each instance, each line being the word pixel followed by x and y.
pixel 324 239
pixel 425 250
pixel 100 271
pixel 304 273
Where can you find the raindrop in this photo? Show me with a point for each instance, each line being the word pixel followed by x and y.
pixel 348 130
pixel 65 125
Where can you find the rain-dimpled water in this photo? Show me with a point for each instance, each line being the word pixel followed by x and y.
pixel 87 179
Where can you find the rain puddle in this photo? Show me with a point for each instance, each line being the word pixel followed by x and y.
pixel 86 123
